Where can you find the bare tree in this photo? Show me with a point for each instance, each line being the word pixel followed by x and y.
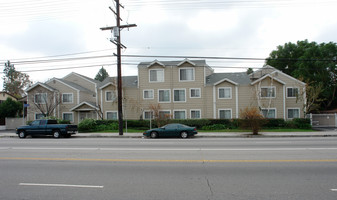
pixel 46 102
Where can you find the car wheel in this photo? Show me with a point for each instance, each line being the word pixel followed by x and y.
pixel 56 134
pixel 183 134
pixel 154 134
pixel 22 134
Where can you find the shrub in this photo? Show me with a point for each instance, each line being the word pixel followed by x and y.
pixel 275 123
pixel 105 127
pixel 299 123
pixel 251 119
pixel 87 125
pixel 215 127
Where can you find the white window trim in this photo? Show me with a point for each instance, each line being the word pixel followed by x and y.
pixel 298 90
pixel 148 90
pixel 156 70
pixel 166 111
pixel 195 89
pixel 110 111
pixel 150 112
pixel 187 68
pixel 39 94
pixel 270 109
pixel 195 110
pixel 224 109
pixel 106 96
pixel 72 99
pixel 173 95
pixel 230 92
pixel 169 96
pixel 178 110
pixel 268 97
pixel 299 112
pixel 72 116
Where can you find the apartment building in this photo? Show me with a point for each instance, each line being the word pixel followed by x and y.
pixel 185 89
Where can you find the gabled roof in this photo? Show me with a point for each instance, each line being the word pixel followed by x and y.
pixel 266 67
pixel 42 85
pixel 71 85
pixel 127 81
pixel 76 86
pixel 186 61
pixel 90 104
pixel 82 76
pixel 226 80
pixel 196 63
pixel 155 62
pixel 269 76
pixel 240 78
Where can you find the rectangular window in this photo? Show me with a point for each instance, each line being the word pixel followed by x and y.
pixel 179 114
pixel 67 98
pixel 109 96
pixel 148 115
pixel 40 98
pixel 165 114
pixel 111 115
pixel 293 113
pixel 148 94
pixel 292 92
pixel 268 92
pixel 269 113
pixel 156 75
pixel 195 114
pixel 225 114
pixel 186 74
pixel 68 116
pixel 164 96
pixel 225 93
pixel 195 92
pixel 39 116
pixel 179 95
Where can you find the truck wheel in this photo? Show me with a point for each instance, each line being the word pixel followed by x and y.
pixel 22 134
pixel 56 134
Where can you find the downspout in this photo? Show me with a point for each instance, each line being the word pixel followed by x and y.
pixel 214 102
pixel 304 102
pixel 284 102
pixel 102 103
pixel 237 101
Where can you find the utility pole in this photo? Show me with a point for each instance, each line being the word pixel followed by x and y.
pixel 117 41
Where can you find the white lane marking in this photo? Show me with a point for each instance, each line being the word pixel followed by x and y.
pixel 168 149
pixel 61 185
pixel 334 190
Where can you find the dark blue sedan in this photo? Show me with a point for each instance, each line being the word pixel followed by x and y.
pixel 171 130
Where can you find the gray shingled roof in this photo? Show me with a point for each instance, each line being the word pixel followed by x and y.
pixel 127 81
pixel 93 80
pixel 78 87
pixel 240 77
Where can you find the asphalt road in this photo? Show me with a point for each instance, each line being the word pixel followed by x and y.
pixel 198 168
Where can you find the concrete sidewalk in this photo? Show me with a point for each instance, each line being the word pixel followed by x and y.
pixel 330 133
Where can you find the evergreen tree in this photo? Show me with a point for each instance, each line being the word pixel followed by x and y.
pixel 101 75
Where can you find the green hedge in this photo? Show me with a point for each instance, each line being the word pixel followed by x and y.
pixel 89 125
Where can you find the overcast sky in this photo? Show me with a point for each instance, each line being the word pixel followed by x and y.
pixel 36 32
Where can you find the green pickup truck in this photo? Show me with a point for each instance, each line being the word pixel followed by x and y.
pixel 46 127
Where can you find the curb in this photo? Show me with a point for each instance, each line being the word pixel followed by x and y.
pixel 197 136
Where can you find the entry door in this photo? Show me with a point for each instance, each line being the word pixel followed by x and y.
pixel 86 115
